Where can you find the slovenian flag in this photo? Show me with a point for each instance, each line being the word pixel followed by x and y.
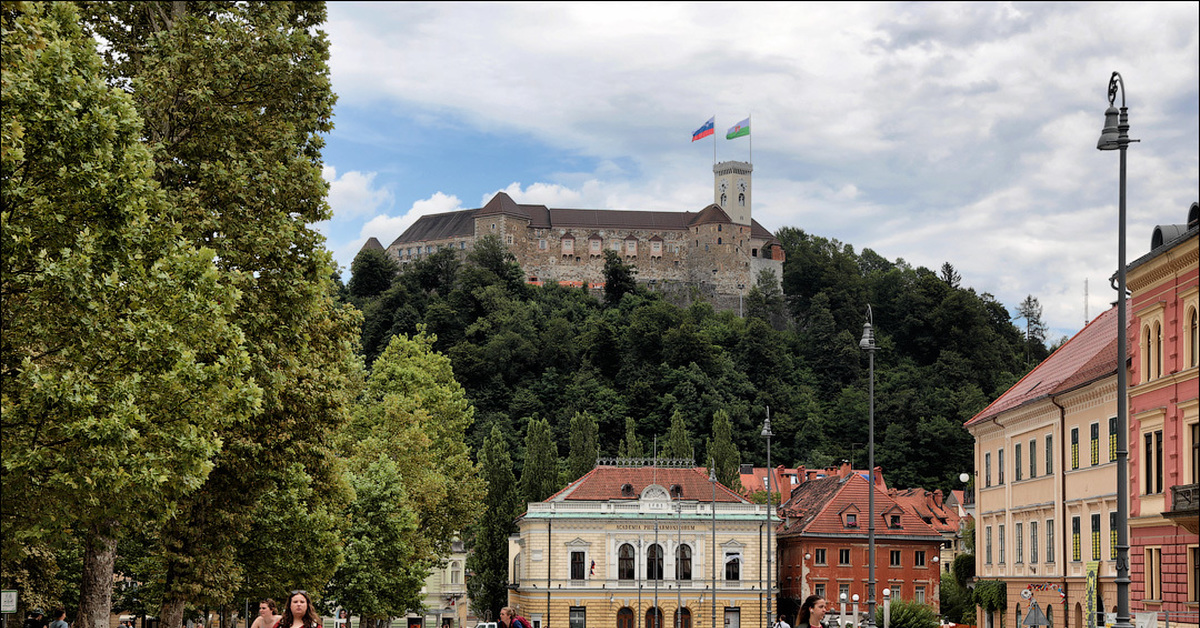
pixel 705 130
pixel 740 129
pixel 593 569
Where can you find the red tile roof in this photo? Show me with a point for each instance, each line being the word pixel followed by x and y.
pixel 1089 356
pixel 923 503
pixel 815 507
pixel 604 483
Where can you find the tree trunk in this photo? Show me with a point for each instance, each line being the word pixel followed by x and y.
pixel 171 615
pixel 96 585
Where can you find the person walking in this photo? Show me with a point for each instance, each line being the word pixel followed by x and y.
pixel 510 619
pixel 60 618
pixel 812 612
pixel 782 623
pixel 299 612
pixel 267 617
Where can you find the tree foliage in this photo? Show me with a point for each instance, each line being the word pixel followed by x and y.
pixel 584 447
pixel 120 361
pixel 539 474
pixel 371 273
pixel 487 564
pixel 236 97
pixel 908 614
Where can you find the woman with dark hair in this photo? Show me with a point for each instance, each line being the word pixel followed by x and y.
pixel 299 612
pixel 812 612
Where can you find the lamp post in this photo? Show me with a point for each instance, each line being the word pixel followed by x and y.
pixel 868 344
pixel 1115 136
pixel 766 433
pixel 712 479
pixel 887 608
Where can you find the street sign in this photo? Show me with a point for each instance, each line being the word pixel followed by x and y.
pixel 8 601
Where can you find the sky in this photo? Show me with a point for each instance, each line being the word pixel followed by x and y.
pixel 929 132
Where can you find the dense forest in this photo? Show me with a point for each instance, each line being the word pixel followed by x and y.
pixel 527 353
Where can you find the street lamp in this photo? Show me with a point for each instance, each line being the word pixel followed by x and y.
pixel 766 433
pixel 1115 136
pixel 868 344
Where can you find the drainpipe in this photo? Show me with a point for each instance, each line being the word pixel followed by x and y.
pixel 549 553
pixel 1062 514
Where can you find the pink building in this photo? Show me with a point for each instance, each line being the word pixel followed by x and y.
pixel 1164 428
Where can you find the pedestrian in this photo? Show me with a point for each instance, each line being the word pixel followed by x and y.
pixel 812 612
pixel 782 623
pixel 299 612
pixel 267 617
pixel 60 618
pixel 510 619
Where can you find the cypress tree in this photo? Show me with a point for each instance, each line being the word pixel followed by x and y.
pixel 584 445
pixel 539 477
pixel 488 562
pixel 723 454
pixel 679 441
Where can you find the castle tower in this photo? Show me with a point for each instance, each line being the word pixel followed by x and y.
pixel 731 189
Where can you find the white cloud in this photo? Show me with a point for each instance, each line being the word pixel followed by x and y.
pixel 354 194
pixel 961 132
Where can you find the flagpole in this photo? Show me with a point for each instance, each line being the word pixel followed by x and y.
pixel 751 143
pixel 714 118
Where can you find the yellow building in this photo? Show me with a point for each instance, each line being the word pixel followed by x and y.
pixel 629 546
pixel 1046 484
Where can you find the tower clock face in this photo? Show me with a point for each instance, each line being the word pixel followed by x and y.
pixel 724 186
pixel 741 185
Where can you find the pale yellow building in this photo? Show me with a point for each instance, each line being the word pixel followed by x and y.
pixel 628 546
pixel 1046 483
pixel 445 593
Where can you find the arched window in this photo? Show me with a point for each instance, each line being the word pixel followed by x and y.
pixel 683 618
pixel 683 563
pixel 676 491
pixel 741 199
pixel 455 573
pixel 654 562
pixel 1158 345
pixel 625 618
pixel 654 617
pixel 1146 359
pixel 627 490
pixel 1193 334
pixel 625 569
pixel 516 569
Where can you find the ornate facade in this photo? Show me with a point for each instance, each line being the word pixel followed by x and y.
pixel 721 247
pixel 1164 424
pixel 629 546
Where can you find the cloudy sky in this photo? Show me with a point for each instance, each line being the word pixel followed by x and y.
pixel 931 132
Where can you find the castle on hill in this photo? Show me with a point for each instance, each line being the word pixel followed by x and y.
pixel 720 249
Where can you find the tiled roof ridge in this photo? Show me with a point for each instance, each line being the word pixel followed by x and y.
pixel 1043 367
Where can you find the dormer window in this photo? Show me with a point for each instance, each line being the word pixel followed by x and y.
pixel 627 490
pixel 851 520
pixel 676 491
pixel 893 521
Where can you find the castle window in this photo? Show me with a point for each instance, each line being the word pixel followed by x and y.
pixel 742 199
pixel 595 247
pixel 722 200
pixel 568 246
pixel 718 240
pixel 753 252
pixel 541 245
pixel 718 227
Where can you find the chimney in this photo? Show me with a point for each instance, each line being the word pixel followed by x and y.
pixel 746 469
pixel 929 500
pixel 938 498
pixel 845 470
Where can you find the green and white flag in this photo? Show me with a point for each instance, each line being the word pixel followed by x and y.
pixel 740 129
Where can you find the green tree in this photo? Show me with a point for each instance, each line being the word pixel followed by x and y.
pixel 488 561
pixel 236 97
pixel 723 454
pixel 382 574
pixel 679 440
pixel 908 614
pixel 416 413
pixel 1035 330
pixel 539 475
pixel 619 278
pixel 372 272
pixel 120 364
pixel 584 446
pixel 631 445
